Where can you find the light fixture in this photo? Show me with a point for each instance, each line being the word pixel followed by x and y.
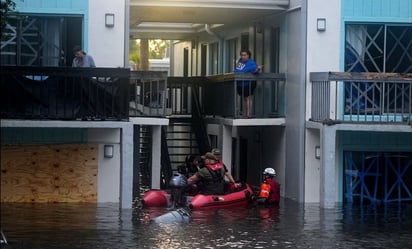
pixel 317 152
pixel 108 150
pixel 109 20
pixel 321 24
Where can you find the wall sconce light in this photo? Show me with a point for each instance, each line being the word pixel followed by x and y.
pixel 317 152
pixel 109 20
pixel 108 150
pixel 321 24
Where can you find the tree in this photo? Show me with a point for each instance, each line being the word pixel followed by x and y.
pixel 156 50
pixel 6 7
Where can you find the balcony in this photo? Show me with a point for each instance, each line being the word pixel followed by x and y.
pixel 218 95
pixel 361 97
pixel 65 93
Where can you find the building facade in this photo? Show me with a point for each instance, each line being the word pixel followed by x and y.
pixel 339 141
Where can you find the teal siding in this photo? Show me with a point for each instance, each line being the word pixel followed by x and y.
pixel 58 7
pixel 387 11
pixel 375 141
pixel 43 135
pixel 53 6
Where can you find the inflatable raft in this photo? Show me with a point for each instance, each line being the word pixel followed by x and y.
pixel 237 197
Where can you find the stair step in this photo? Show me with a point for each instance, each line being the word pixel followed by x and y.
pixel 178 132
pixel 179 147
pixel 181 139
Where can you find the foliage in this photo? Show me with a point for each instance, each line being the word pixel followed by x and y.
pixel 6 6
pixel 134 51
pixel 157 49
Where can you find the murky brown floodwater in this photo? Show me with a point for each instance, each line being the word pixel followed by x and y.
pixel 292 225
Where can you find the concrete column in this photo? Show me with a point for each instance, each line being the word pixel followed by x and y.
pixel 156 154
pixel 126 174
pixel 328 181
pixel 227 146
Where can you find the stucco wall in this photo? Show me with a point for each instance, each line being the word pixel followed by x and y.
pixel 295 106
pixel 106 44
pixel 108 177
pixel 323 54
pixel 312 166
pixel 323 47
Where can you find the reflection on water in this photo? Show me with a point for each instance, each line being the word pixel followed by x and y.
pixel 292 225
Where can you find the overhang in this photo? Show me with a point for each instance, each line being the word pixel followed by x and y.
pixel 185 19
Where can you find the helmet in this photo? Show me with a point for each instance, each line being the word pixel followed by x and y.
pixel 269 171
pixel 178 180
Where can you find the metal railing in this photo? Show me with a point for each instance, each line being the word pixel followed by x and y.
pixel 222 95
pixel 64 93
pixel 266 93
pixel 148 94
pixel 361 97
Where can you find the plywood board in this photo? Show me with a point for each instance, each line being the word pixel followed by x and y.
pixel 49 173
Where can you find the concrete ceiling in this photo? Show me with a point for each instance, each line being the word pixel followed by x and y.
pixel 183 19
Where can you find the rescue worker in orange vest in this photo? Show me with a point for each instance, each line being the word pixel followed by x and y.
pixel 270 189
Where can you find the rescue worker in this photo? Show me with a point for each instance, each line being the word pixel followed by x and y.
pixel 212 176
pixel 270 189
pixel 190 167
pixel 216 152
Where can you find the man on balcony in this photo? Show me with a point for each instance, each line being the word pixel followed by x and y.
pixel 82 59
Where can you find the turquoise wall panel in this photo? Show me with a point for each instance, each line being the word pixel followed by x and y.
pixel 58 7
pixel 375 141
pixel 399 11
pixel 53 6
pixel 43 135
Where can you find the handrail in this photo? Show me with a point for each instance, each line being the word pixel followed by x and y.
pixel 361 97
pixel 219 97
pixel 64 93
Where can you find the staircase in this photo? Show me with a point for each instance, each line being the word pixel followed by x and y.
pixel 181 141
pixel 187 135
pixel 145 151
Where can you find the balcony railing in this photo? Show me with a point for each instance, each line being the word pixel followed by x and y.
pixel 361 97
pixel 219 95
pixel 148 94
pixel 64 93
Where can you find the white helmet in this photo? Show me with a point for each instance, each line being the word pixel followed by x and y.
pixel 269 171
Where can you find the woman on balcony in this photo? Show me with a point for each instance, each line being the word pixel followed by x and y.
pixel 245 88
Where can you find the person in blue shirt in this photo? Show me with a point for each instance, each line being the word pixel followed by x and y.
pixel 245 88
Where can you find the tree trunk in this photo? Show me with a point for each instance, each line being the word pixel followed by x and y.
pixel 144 54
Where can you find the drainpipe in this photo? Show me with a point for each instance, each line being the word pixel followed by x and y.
pixel 210 32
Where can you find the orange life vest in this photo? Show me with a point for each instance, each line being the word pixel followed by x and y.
pixel 264 190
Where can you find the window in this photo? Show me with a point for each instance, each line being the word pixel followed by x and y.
pixel 214 58
pixel 244 41
pixel 274 53
pixel 382 48
pixel 231 54
pixel 203 60
pixel 41 40
pixel 379 48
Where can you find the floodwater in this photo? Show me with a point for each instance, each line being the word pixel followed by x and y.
pixel 292 225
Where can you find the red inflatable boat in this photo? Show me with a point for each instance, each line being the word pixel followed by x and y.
pixel 237 197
